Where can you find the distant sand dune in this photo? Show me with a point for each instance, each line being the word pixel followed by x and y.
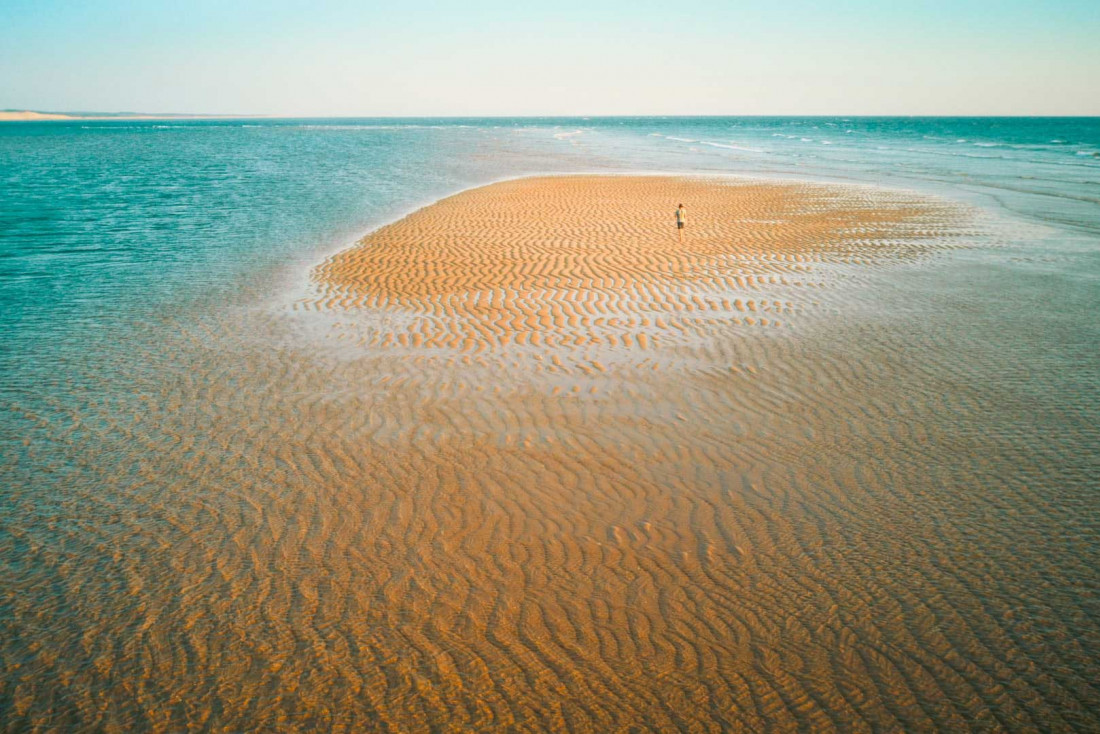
pixel 27 115
pixel 32 116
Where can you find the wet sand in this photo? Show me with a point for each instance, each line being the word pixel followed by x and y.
pixel 531 464
pixel 587 261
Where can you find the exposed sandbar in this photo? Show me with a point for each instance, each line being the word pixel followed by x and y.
pixel 551 259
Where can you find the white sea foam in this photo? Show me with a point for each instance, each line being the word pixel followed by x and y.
pixel 730 146
pixel 374 127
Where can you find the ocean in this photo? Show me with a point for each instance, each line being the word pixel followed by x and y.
pixel 146 267
pixel 103 218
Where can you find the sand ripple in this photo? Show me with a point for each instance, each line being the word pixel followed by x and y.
pixel 527 464
pixel 578 260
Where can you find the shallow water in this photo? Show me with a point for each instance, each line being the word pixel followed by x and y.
pixel 220 509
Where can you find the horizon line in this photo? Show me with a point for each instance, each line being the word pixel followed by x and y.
pixel 103 116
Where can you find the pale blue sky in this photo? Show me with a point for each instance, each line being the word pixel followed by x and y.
pixel 497 57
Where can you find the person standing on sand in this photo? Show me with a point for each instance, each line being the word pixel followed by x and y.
pixel 681 220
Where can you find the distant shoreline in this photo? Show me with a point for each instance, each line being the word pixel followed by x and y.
pixel 36 116
pixel 32 116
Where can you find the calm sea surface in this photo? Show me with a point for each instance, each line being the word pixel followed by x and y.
pixel 102 220
pixel 109 230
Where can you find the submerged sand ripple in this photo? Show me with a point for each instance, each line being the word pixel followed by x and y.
pixel 545 470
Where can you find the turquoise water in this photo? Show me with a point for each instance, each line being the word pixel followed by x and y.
pixel 105 223
pixel 101 216
pixel 124 244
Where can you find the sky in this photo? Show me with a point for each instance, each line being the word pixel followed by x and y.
pixel 567 57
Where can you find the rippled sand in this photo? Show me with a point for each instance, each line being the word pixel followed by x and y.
pixel 573 261
pixel 524 462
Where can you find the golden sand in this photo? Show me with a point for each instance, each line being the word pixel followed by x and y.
pixel 574 260
pixel 545 468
